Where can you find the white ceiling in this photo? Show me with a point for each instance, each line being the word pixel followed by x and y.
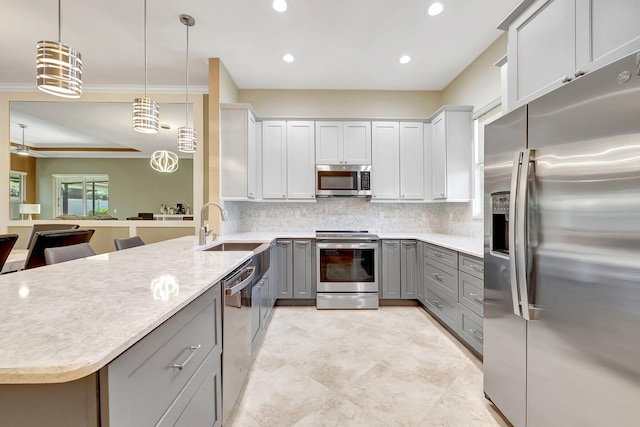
pixel 338 44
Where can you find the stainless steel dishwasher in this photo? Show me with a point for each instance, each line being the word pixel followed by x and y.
pixel 236 334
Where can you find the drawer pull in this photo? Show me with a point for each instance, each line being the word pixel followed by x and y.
pixel 475 297
pixel 180 366
pixel 437 303
pixel 478 334
pixel 438 254
pixel 438 277
pixel 476 268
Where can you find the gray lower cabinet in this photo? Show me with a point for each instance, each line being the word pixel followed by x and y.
pixel 141 387
pixel 399 269
pixel 409 269
pixel 173 375
pixel 420 284
pixel 304 280
pixel 454 292
pixel 390 269
pixel 284 267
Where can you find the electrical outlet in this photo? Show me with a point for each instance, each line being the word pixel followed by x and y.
pixel 115 211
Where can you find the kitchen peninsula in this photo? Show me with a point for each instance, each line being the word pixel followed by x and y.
pixel 63 326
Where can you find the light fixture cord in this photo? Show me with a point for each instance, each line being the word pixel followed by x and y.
pixel 59 21
pixel 186 89
pixel 145 48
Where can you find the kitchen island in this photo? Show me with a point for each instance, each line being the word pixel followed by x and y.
pixel 64 324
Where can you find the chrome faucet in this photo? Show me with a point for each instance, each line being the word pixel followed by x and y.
pixel 202 240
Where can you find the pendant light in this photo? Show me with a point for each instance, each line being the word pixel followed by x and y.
pixel 164 161
pixel 187 142
pixel 146 111
pixel 22 150
pixel 58 66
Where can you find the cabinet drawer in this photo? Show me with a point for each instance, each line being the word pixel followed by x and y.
pixel 472 330
pixel 200 402
pixel 471 265
pixel 445 256
pixel 471 292
pixel 142 382
pixel 441 278
pixel 444 309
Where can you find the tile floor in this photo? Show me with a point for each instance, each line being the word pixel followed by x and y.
pixel 395 366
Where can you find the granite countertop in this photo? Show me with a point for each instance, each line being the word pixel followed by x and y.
pixel 65 321
pixel 466 245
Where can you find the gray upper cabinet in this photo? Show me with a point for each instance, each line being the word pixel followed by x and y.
pixel 555 41
pixel 301 177
pixel 390 271
pixel 451 148
pixel 274 159
pixel 412 161
pixel 284 268
pixel 409 269
pixel 341 142
pixel 237 151
pixel 304 284
pixel 385 160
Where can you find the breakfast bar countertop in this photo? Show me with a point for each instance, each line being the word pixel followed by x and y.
pixel 65 321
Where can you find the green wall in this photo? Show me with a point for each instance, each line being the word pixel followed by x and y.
pixel 133 186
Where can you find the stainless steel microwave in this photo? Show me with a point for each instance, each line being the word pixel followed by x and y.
pixel 343 180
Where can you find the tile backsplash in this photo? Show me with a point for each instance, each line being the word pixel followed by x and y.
pixel 352 214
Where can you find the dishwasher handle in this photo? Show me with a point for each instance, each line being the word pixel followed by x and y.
pixel 240 281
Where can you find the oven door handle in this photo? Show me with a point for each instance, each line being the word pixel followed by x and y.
pixel 345 245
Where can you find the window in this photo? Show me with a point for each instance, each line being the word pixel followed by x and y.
pixel 483 117
pixel 17 193
pixel 81 195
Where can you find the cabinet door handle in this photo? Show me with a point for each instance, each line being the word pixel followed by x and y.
pixel 437 277
pixel 478 334
pixel 437 303
pixel 579 73
pixel 180 366
pixel 566 79
pixel 438 254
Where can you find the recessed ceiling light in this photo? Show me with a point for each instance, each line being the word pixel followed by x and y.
pixel 435 8
pixel 280 5
pixel 288 58
pixel 405 59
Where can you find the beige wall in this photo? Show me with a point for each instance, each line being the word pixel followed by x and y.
pixel 479 83
pixel 133 186
pixel 342 103
pixel 228 88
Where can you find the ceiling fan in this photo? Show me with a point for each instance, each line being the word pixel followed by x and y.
pixel 23 149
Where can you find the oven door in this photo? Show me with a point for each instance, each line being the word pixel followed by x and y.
pixel 347 267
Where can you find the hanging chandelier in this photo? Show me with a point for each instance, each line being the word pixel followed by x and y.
pixel 187 140
pixel 58 66
pixel 146 111
pixel 164 161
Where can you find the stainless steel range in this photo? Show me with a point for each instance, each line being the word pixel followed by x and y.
pixel 347 269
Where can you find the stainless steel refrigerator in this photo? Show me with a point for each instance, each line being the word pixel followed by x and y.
pixel 562 254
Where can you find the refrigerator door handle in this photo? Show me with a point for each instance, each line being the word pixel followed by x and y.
pixel 521 232
pixel 513 215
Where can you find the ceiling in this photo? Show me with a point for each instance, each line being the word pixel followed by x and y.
pixel 338 44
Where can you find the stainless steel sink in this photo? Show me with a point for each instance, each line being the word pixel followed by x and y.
pixel 239 246
pixel 261 253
